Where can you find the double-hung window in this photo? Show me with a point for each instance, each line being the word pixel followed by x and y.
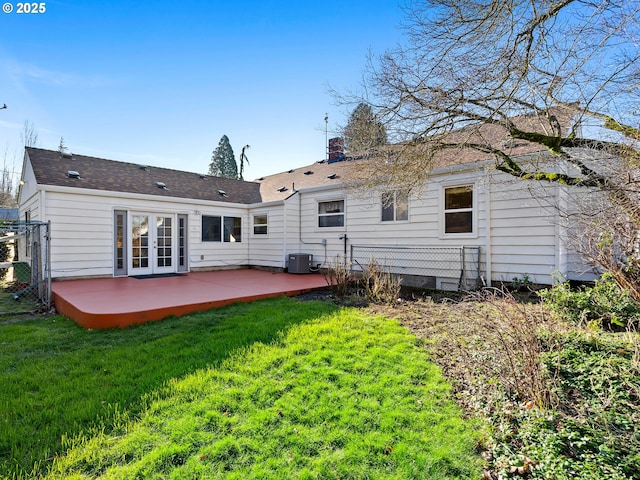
pixel 331 214
pixel 260 224
pixel 458 209
pixel 395 206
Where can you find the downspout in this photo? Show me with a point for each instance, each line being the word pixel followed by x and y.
pixel 49 288
pixel 285 237
pixel 489 239
pixel 323 242
pixel 42 214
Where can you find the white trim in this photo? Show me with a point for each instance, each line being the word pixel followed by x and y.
pixel 488 254
pixel 253 216
pixel 395 220
pixel 318 201
pixel 473 210
pixel 192 202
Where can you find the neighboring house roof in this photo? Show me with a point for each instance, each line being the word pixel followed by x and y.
pixel 9 214
pixel 52 168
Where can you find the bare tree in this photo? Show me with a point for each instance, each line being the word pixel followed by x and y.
pixel 475 66
pixel 558 80
pixel 29 135
pixel 6 180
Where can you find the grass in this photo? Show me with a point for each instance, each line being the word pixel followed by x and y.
pixel 10 307
pixel 274 389
pixel 60 380
pixel 560 401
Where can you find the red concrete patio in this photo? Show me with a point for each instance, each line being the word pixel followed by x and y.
pixel 124 301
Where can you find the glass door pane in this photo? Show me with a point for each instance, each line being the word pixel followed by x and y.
pixel 164 244
pixel 140 244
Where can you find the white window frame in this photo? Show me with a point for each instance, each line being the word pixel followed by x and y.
pixel 265 225
pixel 393 204
pixel 336 214
pixel 473 209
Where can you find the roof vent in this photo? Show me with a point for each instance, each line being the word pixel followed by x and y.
pixel 282 189
pixel 331 176
pixel 308 172
pixel 203 176
pixel 260 179
pixel 73 174
pixel 290 171
pixel 66 155
pixel 222 193
pixel 144 167
pixel 161 185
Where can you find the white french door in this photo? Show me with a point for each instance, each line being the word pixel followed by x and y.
pixel 152 246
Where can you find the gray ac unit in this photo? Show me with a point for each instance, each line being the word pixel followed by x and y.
pixel 299 262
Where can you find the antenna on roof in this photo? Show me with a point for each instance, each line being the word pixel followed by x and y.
pixel 326 135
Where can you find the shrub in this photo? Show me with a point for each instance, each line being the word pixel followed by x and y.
pixel 338 276
pixel 605 305
pixel 380 285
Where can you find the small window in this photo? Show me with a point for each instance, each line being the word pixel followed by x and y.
pixel 458 209
pixel 331 214
pixel 395 206
pixel 260 225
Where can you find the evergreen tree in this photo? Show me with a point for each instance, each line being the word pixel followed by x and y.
pixel 223 161
pixel 62 148
pixel 363 130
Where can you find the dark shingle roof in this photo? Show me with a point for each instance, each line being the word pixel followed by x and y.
pixel 52 168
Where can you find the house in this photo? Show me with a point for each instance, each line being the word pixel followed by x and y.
pixel 469 224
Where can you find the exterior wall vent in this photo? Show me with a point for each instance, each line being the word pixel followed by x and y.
pixel 73 174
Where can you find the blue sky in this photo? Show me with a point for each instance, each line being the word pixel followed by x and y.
pixel 160 82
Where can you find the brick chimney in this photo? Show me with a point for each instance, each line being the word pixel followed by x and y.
pixel 336 149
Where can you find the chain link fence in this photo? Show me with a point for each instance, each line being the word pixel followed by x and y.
pixel 442 268
pixel 25 273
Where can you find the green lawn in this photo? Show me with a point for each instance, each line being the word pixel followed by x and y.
pixel 274 389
